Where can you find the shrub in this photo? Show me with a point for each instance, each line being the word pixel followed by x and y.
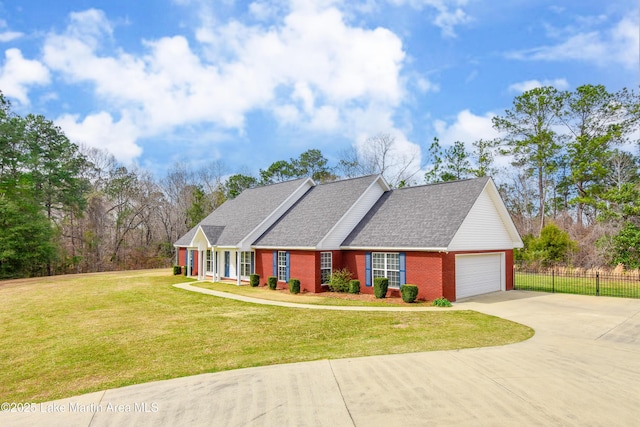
pixel 339 280
pixel 409 293
pixel 272 281
pixel 354 286
pixel 380 286
pixel 441 302
pixel 294 286
pixel 254 280
pixel 184 270
pixel 177 270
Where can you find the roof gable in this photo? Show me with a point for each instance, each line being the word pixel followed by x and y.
pixel 424 217
pixel 487 226
pixel 252 212
pixel 316 217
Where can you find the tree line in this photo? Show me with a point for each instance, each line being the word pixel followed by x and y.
pixel 573 193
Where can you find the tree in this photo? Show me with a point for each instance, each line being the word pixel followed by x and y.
pixel 530 136
pixel 278 171
pixel 456 162
pixel 553 245
pixel 380 154
pixel 312 163
pixel 626 246
pixel 596 119
pixel 236 184
pixel 483 156
pixel 434 173
pixel 200 207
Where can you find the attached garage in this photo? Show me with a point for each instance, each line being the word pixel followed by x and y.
pixel 479 274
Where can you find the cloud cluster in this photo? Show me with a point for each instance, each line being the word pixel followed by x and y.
pixel 19 73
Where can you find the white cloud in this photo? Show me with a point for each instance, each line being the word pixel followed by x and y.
pixel 520 87
pixel 8 36
pixel 467 128
pixel 449 13
pixel 618 44
pixel 100 131
pixel 18 73
pixel 311 69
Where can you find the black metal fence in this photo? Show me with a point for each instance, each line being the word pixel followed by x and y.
pixel 583 282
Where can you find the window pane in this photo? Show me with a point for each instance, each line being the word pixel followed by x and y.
pixel 393 261
pixel 394 279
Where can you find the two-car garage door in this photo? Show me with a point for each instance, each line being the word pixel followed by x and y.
pixel 478 274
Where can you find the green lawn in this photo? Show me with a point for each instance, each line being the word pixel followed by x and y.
pixel 68 335
pixel 628 287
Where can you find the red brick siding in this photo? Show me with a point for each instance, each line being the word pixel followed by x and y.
pixel 264 264
pixel 305 266
pixel 424 269
pixel 182 257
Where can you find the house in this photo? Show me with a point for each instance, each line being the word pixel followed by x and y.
pixel 453 239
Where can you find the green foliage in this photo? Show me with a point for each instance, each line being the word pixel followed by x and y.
pixel 553 246
pixel 441 302
pixel 200 207
pixel 254 280
pixel 380 286
pixel 354 286
pixel 177 270
pixel 409 293
pixel 184 270
pixel 339 280
pixel 272 281
pixel 626 246
pixel 294 286
pixel 236 184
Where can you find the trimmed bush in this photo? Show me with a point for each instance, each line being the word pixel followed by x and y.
pixel 254 280
pixel 294 286
pixel 177 270
pixel 184 270
pixel 272 281
pixel 339 280
pixel 441 302
pixel 354 286
pixel 380 286
pixel 409 293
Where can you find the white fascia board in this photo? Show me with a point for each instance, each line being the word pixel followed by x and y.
pixel 504 213
pixel 286 248
pixel 269 220
pixel 378 181
pixel 392 249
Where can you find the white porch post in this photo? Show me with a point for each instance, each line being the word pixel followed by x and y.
pixel 201 265
pixel 238 253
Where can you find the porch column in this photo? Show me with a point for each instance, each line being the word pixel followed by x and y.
pixel 202 266
pixel 238 253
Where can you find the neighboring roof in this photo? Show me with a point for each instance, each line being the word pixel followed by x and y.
pixel 237 218
pixel 425 217
pixel 315 214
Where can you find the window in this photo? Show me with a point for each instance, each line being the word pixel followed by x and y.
pixel 282 266
pixel 209 261
pixel 387 265
pixel 245 263
pixel 325 267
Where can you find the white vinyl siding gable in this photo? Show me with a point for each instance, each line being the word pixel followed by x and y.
pixel 482 229
pixel 352 217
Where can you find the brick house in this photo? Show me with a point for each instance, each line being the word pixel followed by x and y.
pixel 453 239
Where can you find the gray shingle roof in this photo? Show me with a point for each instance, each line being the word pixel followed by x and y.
pixel 427 216
pixel 235 219
pixel 313 216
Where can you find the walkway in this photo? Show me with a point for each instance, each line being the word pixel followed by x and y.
pixel 581 368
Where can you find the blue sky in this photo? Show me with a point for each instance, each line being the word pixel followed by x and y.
pixel 252 82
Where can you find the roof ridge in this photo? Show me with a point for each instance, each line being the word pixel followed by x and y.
pixel 432 184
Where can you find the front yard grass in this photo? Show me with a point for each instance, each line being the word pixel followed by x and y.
pixel 69 335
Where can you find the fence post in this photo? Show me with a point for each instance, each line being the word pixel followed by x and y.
pixel 597 283
pixel 553 280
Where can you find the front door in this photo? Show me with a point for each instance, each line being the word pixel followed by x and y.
pixel 227 260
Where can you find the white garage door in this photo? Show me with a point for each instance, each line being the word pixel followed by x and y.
pixel 478 274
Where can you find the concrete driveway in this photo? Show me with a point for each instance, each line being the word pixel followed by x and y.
pixel 581 368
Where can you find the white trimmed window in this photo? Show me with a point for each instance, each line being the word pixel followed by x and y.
pixel 209 266
pixel 245 263
pixel 326 263
pixel 387 265
pixel 282 266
